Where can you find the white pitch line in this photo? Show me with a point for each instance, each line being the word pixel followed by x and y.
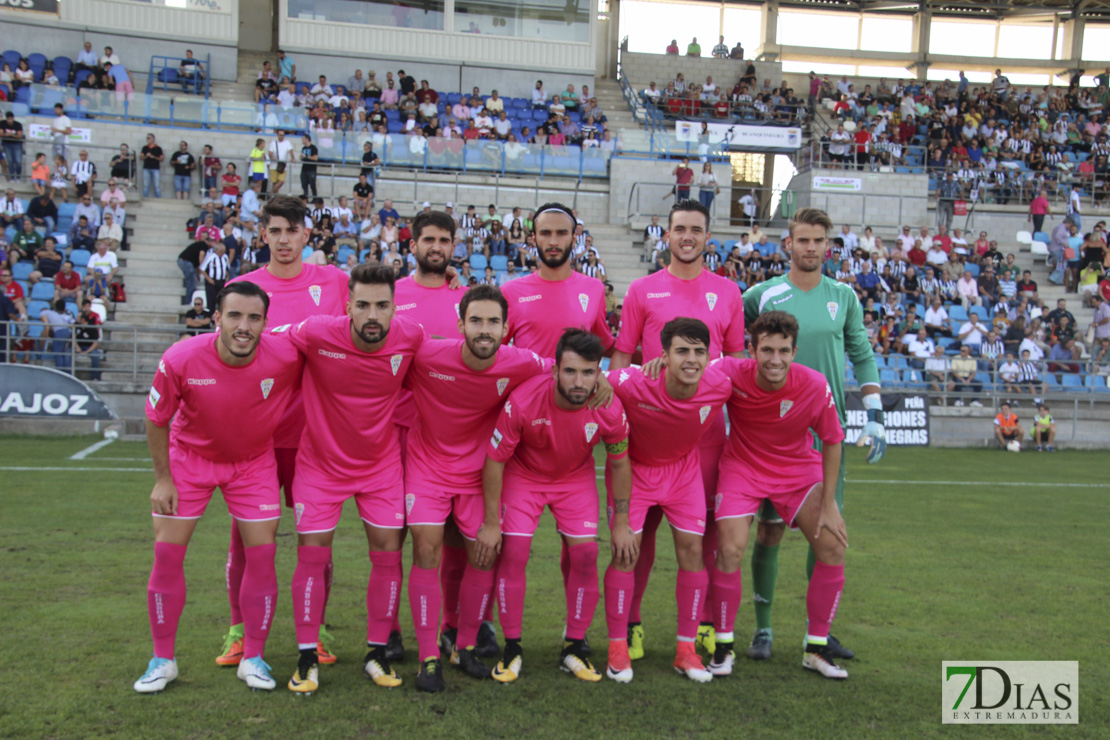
pixel 91 449
pixel 89 470
pixel 991 483
pixel 120 459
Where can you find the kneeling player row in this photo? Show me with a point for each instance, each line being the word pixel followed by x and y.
pixel 500 433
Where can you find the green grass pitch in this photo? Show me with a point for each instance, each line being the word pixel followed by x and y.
pixel 954 555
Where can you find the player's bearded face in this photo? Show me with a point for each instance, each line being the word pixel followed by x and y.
pixel 575 378
pixel 483 328
pixel 554 237
pixel 370 309
pixel 285 240
pixel 242 319
pixel 808 243
pixel 687 234
pixel 686 360
pixel 433 250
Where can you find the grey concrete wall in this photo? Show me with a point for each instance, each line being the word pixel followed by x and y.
pixel 655 198
pixel 641 69
pixel 885 201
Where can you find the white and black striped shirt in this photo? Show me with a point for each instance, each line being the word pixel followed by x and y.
pixel 594 271
pixel 215 266
pixel 1030 372
pixel 83 171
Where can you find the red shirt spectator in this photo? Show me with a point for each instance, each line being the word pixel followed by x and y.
pixel 673 47
pixel 917 255
pixel 67 282
pixel 907 130
pixel 944 242
pixel 721 108
pixel 1039 206
pixel 862 137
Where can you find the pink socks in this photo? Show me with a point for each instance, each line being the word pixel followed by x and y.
pixel 425 603
pixel 258 597
pixel 383 594
pixel 233 572
pixel 823 597
pixel 690 592
pixel 618 602
pixel 165 596
pixel 308 592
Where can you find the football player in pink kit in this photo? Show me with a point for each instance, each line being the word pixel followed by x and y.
pixel 459 387
pixel 543 304
pixel 685 288
pixel 541 454
pixel 206 385
pixel 296 291
pixel 354 367
pixel 668 416
pixel 770 455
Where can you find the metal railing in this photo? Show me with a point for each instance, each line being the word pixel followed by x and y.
pixel 166 71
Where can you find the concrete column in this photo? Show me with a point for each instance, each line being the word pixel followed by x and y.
pixel 1073 41
pixel 768 50
pixel 922 28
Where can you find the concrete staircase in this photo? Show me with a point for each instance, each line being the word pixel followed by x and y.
pixel 250 64
pixel 609 97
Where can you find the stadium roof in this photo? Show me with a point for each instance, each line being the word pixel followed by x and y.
pixel 1090 10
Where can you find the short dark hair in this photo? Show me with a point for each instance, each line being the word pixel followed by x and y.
pixel 581 342
pixel 372 274
pixel 775 322
pixel 484 293
pixel 692 330
pixel 286 206
pixel 556 207
pixel 432 218
pixel 246 288
pixel 686 206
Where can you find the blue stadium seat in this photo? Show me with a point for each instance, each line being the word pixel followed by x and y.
pixel 42 292
pixel 62 63
pixel 1097 383
pixel 478 262
pixel 957 313
pixel 11 58
pixel 34 308
pixel 343 254
pixel 730 244
pixel 80 257
pixel 306 253
pixel 979 311
pixel 168 75
pixel 880 361
pixel 888 377
pixel 81 76
pixel 453 98
pixel 1070 380
pixel 66 210
pixel 972 268
pixel 499 262
pixel 1040 236
pixel 22 270
pixel 985 379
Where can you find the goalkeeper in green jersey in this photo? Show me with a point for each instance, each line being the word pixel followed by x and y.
pixel 830 322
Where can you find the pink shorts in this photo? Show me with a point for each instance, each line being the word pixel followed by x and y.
pixel 575 511
pixel 287 467
pixel 739 498
pixel 249 487
pixel 125 89
pixel 318 500
pixel 676 488
pixel 709 455
pixel 426 504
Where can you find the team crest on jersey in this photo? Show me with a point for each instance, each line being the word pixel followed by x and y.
pixel 703 412
pixel 784 407
pixel 267 385
pixel 410 499
pixel 298 512
pixel 711 299
pixel 502 384
pixel 585 301
pixel 315 291
pixel 395 363
pixel 833 307
pixel 591 430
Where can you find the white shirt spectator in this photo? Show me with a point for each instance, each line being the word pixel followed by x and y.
pixel 936 317
pixel 936 256
pixel 103 264
pixel 279 151
pixel 1035 351
pixel 1008 371
pixel 976 334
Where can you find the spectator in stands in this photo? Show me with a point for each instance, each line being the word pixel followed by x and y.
pixel 152 157
pixel 694 48
pixel 287 67
pixel 82 234
pixel 183 166
pixel 964 368
pixel 83 173
pixel 11 140
pixel 189 261
pixel 390 96
pixel 937 368
pixel 86 61
pixel 11 210
pixel 191 72
pixel 48 261
pixel 230 182
pixel 280 155
pixel 110 232
pixel 43 213
pixel 124 88
pixel 672 48
pixel 122 168
pixel 102 269
pixel 198 318
pixel 919 348
pixel 1038 209
pixel 972 331
pixel 57 323
pixel 67 283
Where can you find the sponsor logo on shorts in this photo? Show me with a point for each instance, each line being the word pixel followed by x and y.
pixel 701 522
pixel 395 363
pixel 833 307
pixel 659 295
pixel 591 430
pixel 528 298
pixel 267 385
pixel 648 407
pixel 717 502
pixel 711 300
pixel 315 291
pixel 333 355
pixel 502 384
pixel 410 499
pixel 703 412
pixel 440 376
pixel 585 301
pixel 590 525
pixel 201 381
pixel 154 397
pixel 784 407
pixel 298 512
pixel 496 439
pixel 537 422
pixel 269 507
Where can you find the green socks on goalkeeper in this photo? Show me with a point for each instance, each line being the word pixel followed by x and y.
pixel 765 571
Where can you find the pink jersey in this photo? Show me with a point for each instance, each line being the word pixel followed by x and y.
pixel 212 399
pixel 553 446
pixel 770 444
pixel 664 430
pixel 319 289
pixel 654 300
pixel 435 309
pixel 539 310
pixel 349 395
pixel 457 409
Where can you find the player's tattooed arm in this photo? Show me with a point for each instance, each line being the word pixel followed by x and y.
pixel 624 543
pixel 620 507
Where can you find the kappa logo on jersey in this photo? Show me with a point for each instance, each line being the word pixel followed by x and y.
pixel 395 363
pixel 298 512
pixel 410 499
pixel 267 386
pixel 829 395
pixel 162 367
pixel 585 301
pixel 833 307
pixel 591 430
pixel 703 412
pixel 502 384
pixel 622 377
pixel 784 407
pixel 315 291
pixel 711 299
pixel 496 439
pixel 280 329
pixel 154 397
pixel 508 408
pixel 457 314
